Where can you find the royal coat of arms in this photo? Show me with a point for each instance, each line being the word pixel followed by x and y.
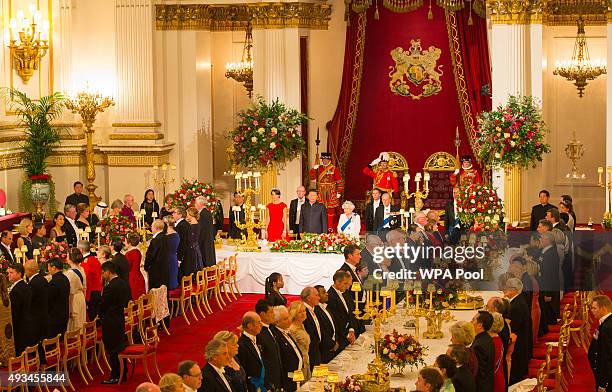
pixel 418 67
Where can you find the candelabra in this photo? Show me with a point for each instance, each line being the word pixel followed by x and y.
pixel 417 312
pixel 418 195
pixel 141 226
pixel 574 150
pixel 320 376
pixel 88 105
pixel 248 184
pixel 28 45
pixel 165 177
pixel 607 185
pixel 435 317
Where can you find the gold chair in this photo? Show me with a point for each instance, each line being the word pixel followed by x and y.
pixel 182 298
pixel 15 365
pixel 143 351
pixel 53 357
pixel 71 350
pixel 222 268
pixel 32 363
pixel 233 268
pixel 90 343
pixel 212 287
pixel 200 288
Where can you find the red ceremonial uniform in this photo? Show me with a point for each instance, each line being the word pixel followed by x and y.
pixel 467 177
pixel 386 180
pixel 329 185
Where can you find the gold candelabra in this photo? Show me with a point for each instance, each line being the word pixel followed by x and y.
pixel 574 150
pixel 28 46
pixel 88 105
pixel 165 177
pixel 242 72
pixel 418 195
pixel 248 184
pixel 606 185
pixel 434 317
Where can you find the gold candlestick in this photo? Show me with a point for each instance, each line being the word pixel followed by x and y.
pixel 607 184
pixel 242 184
pixel 163 175
pixel 418 195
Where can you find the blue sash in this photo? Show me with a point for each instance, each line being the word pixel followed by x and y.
pixel 387 219
pixel 78 273
pixel 258 382
pixel 345 225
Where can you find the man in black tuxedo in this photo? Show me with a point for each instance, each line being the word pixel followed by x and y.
pixel 549 280
pixel 156 259
pixel 452 224
pixel 207 233
pixel 433 215
pixel 249 354
pixel 600 350
pixel 268 345
pixel 6 240
pixel 344 321
pixel 563 238
pixel 123 267
pixel 329 346
pixel 386 217
pixel 313 215
pixel 237 211
pixel 70 227
pixel 115 297
pixel 463 379
pixel 538 211
pixel 295 209
pixel 20 295
pixel 218 219
pixel 183 252
pixel 485 351
pixel 77 197
pixel 520 322
pixel 371 210
pixel 290 354
pixel 372 242
pixel 213 373
pixel 39 317
pixel 312 325
pixel 59 293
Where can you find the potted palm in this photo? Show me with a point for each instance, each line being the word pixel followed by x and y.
pixel 41 137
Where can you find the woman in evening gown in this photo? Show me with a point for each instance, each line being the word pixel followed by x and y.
pixel 499 380
pixel 173 243
pixel 134 258
pixel 76 300
pixel 234 372
pixel 192 217
pixel 276 217
pixel 297 313
pixel 56 234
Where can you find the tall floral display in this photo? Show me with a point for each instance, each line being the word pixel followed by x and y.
pixel 267 134
pixel 478 205
pixel 513 134
pixel 190 190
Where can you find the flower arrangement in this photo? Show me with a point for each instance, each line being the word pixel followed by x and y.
pixel 512 134
pixel 115 228
pixel 55 249
pixel 190 190
pixel 401 350
pixel 4 264
pixel 267 133
pixel 316 243
pixel 480 207
pixel 349 384
pixel 443 297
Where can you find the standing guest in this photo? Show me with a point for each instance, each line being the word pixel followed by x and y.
pixel 349 222
pixel 290 354
pixel 78 284
pixel 147 387
pixel 462 333
pixel 310 299
pixel 429 380
pixel 70 227
pixel 115 298
pixel 171 382
pixel 452 224
pixel 273 284
pixel 156 259
pixel 295 208
pixel 600 350
pixel 84 220
pixel 538 211
pixel 372 244
pixel 218 220
pixel 78 196
pixel 183 252
pixel 352 258
pixel 213 373
pixel 276 218
pixel 297 313
pixel 434 215
pixel 447 367
pixel 173 244
pixel 191 374
pixel 93 276
pixel 386 216
pixel 207 233
pixel 100 212
pixel 502 306
pixel 21 296
pixel 104 254
pixel 345 324
pixel 57 233
pixel 115 208
pixel 39 318
pixel 123 267
pixel 39 240
pixel 196 255
pixel 149 204
pixel 128 207
pixel 269 347
pixel 233 371
pixel 249 354
pixel 59 299
pixel 6 239
pixel 370 210
pixel 431 229
pixel 313 217
pixel 463 380
pixel 549 281
pixel 134 258
pixel 569 199
pixel 485 351
pixel 499 376
pixel 565 209
pixel 167 208
pixel 328 346
pixel 25 229
pixel 236 214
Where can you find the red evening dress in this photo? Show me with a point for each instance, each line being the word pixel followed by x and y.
pixel 137 282
pixel 499 384
pixel 276 225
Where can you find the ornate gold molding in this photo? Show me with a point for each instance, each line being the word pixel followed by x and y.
pixel 226 17
pixel 22 137
pixel 154 124
pixel 549 12
pixel 135 136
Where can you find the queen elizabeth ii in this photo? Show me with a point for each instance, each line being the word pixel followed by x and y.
pixel 349 222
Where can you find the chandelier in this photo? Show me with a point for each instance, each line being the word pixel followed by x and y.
pixel 580 68
pixel 28 45
pixel 242 72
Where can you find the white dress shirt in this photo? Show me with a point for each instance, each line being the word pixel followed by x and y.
pixel 221 373
pixel 295 348
pixel 187 388
pixel 254 340
pixel 329 317
pixel 178 221
pixel 345 305
pixel 375 204
pixel 314 317
pixel 73 224
pixel 386 215
pixel 300 203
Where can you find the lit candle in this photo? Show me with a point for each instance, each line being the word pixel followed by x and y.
pixel 24 249
pixel 36 253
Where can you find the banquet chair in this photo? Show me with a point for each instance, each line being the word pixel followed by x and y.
pixel 233 268
pixel 227 279
pixel 15 365
pixel 71 350
pixel 145 313
pixel 540 377
pixel 53 357
pixel 32 363
pixel 90 343
pixel 130 324
pixel 143 351
pixel 157 299
pixel 198 291
pixel 182 298
pixel 212 287
pixel 222 271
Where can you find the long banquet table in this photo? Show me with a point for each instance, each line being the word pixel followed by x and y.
pixel 298 269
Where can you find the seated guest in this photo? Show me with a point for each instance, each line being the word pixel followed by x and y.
pixel 484 349
pixel 171 382
pixel 290 354
pixel 39 240
pixel 328 346
pixel 149 204
pixel 520 323
pixel 310 299
pixel 214 378
pixel 273 284
pixel 57 233
pixel 6 240
pixel 429 380
pixel 462 332
pixel 39 318
pixel 447 367
pixel 234 372
pixel 268 346
pixel 463 380
pixel 349 222
pixel 59 292
pixel 70 227
pixel 344 321
pixel 93 276
pixel 167 207
pixel 236 214
pixel 499 373
pixel 313 215
pixel 21 296
pixel 77 197
pixel 25 229
pixel 134 259
pixel 156 259
pixel 115 208
pixel 128 207
pixel 249 355
pixel 297 313
pixel 191 374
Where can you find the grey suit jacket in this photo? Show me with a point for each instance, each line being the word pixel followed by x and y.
pixel 313 218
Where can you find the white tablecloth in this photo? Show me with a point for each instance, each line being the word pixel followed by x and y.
pixel 298 269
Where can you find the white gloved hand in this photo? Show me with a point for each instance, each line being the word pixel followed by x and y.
pixel 315 167
pixel 456 171
pixel 375 162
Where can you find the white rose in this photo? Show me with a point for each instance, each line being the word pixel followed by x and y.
pixel 254 139
pixel 261 131
pixel 496 217
pixel 473 201
pixel 506 135
pixel 497 155
pixel 512 143
pixel 491 198
pixel 272 145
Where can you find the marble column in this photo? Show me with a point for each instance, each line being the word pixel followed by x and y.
pixel 608 162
